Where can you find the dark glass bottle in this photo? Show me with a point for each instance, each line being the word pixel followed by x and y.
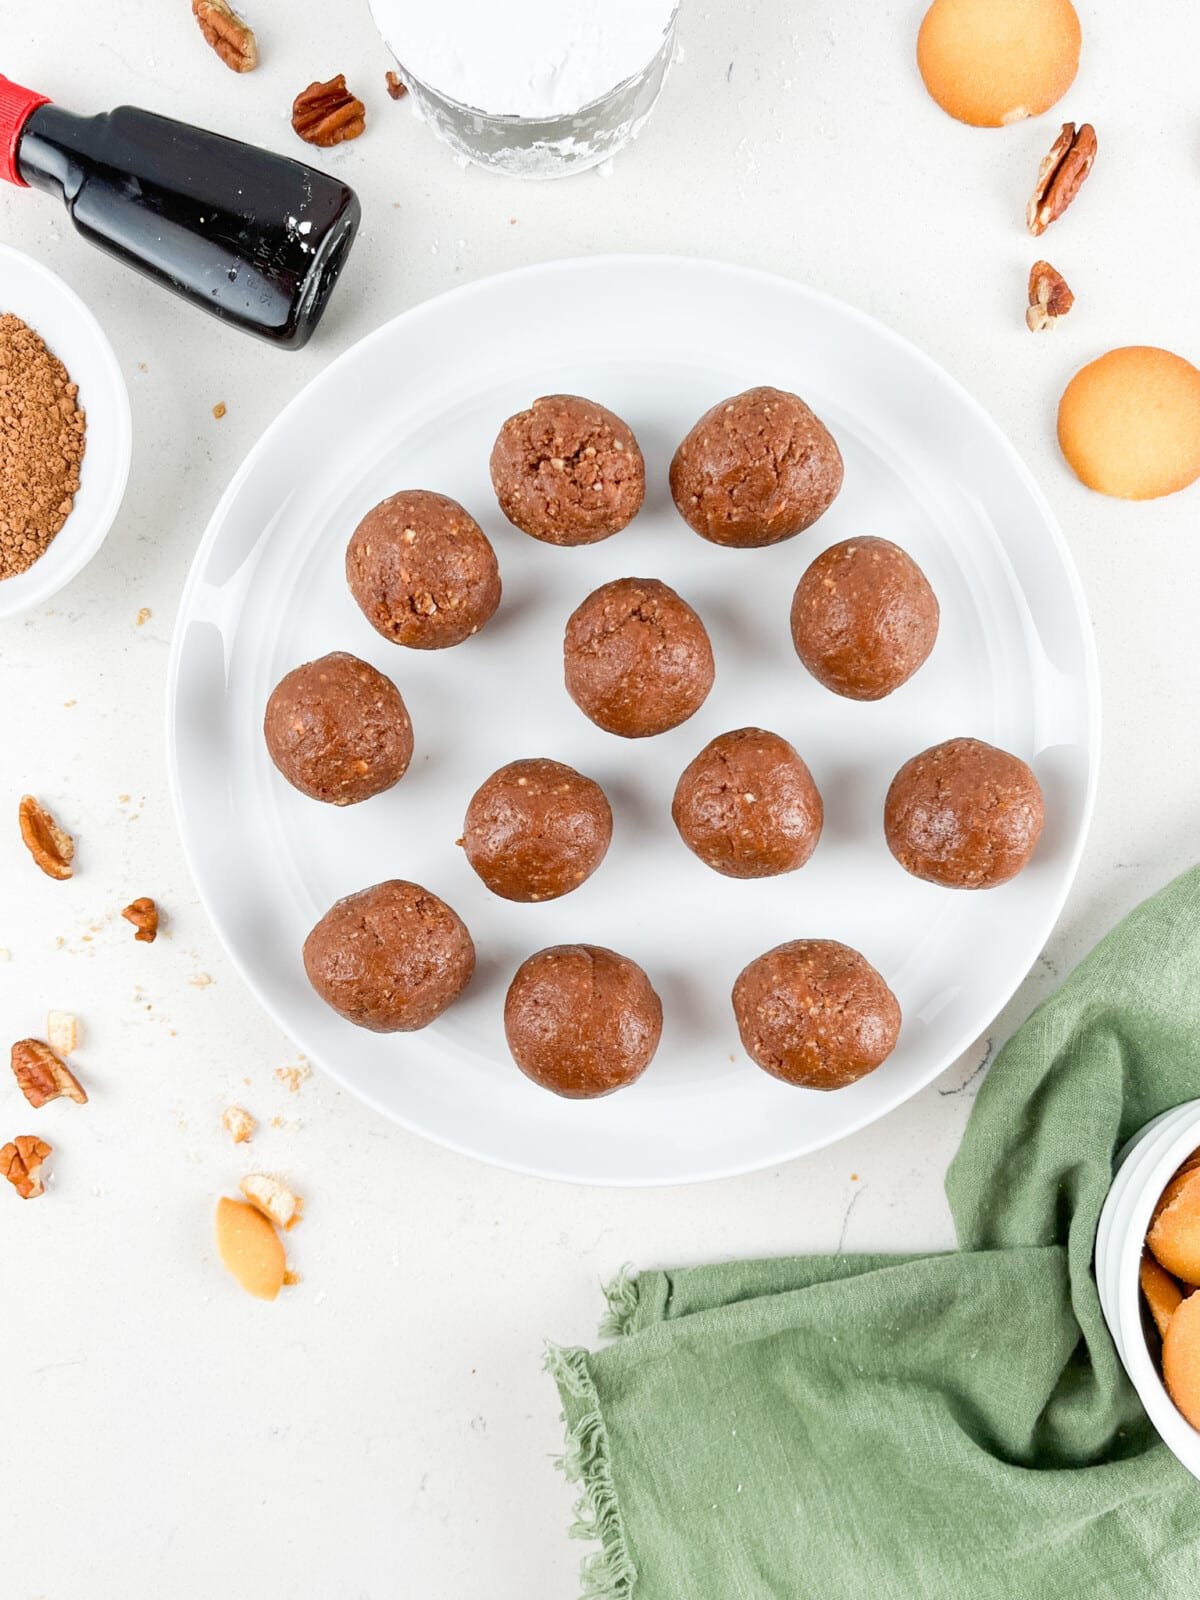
pixel 252 237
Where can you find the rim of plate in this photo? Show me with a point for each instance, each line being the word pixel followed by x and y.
pixel 735 273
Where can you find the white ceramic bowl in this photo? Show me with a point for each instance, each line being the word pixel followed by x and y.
pixel 40 298
pixel 1145 1168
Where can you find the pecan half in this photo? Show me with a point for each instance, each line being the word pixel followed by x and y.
pixel 143 913
pixel 1049 297
pixel 51 847
pixel 42 1074
pixel 21 1163
pixel 327 113
pixel 1061 176
pixel 230 37
pixel 396 85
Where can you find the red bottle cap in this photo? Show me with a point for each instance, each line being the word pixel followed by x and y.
pixel 17 105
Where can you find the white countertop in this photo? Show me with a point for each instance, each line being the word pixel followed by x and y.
pixel 384 1429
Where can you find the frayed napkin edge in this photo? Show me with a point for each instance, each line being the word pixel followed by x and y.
pixel 608 1573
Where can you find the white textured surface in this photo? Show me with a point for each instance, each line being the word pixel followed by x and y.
pixel 529 58
pixel 385 1430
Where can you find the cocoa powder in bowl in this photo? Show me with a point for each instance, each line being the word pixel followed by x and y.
pixel 42 440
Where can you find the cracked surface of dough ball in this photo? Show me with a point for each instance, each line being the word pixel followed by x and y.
pixel 964 814
pixel 390 958
pixel 568 471
pixel 636 658
pixel 991 64
pixel 815 1013
pixel 537 829
pixel 748 806
pixel 338 730
pixel 581 1020
pixel 757 468
pixel 864 618
pixel 422 570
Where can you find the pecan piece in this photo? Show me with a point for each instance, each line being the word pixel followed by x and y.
pixel 42 1074
pixel 396 85
pixel 230 37
pixel 1050 297
pixel 143 913
pixel 327 113
pixel 21 1162
pixel 1061 176
pixel 51 847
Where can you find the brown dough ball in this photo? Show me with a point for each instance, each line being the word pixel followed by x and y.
pixel 756 469
pixel 390 958
pixel 568 471
pixel 536 829
pixel 964 814
pixel 582 1020
pixel 423 570
pixel 864 618
pixel 815 1013
pixel 637 658
pixel 747 805
pixel 338 730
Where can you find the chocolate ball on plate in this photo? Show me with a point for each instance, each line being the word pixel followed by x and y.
pixel 423 570
pixel 864 618
pixel 748 806
pixel 338 730
pixel 581 1020
pixel 536 829
pixel 757 468
pixel 815 1013
pixel 390 958
pixel 964 815
pixel 637 658
pixel 568 471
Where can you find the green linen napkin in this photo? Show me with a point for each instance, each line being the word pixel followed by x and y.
pixel 929 1427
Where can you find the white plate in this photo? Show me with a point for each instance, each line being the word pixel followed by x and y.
pixel 418 404
pixel 41 299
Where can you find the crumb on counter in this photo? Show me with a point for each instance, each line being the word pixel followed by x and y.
pixel 62 1032
pixel 239 1123
pixel 293 1077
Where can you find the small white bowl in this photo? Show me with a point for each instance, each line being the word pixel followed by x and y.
pixel 55 312
pixel 1145 1168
